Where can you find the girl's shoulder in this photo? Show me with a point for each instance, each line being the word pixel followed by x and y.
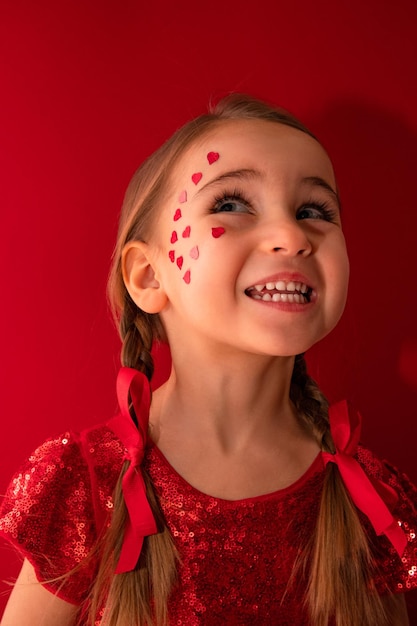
pixel 71 462
pixel 382 471
pixel 59 500
pixel 395 573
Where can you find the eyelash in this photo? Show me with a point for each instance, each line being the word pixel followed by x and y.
pixel 235 196
pixel 328 214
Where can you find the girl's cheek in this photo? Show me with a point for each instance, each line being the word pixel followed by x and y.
pixel 181 255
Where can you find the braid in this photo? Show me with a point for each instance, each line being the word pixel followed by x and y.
pixel 311 403
pixel 338 557
pixel 140 596
pixel 138 331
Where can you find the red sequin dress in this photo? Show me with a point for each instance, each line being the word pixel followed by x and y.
pixel 236 556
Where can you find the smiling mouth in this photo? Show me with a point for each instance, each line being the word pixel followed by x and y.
pixel 281 291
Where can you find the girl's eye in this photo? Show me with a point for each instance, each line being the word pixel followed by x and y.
pixel 316 211
pixel 231 204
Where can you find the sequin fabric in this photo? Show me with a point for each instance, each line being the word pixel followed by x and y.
pixel 56 503
pixel 236 557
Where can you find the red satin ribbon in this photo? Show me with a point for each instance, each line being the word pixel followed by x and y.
pixel 140 521
pixel 369 495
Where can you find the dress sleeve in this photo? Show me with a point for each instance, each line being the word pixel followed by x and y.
pixel 394 574
pixel 56 505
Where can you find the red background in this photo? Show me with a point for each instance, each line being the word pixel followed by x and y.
pixel 88 89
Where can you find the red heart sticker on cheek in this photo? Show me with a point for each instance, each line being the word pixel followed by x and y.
pixel 174 237
pixel 196 177
pixel 187 277
pixel 177 215
pixel 212 157
pixel 186 231
pixel 217 232
pixel 171 254
pixel 180 261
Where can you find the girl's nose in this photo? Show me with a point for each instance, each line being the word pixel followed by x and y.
pixel 289 237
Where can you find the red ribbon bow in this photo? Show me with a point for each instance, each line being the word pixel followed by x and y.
pixel 140 522
pixel 371 499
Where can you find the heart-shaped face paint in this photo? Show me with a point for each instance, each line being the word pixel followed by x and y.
pixel 187 277
pixel 218 231
pixel 212 157
pixel 182 197
pixel 186 232
pixel 194 252
pixel 171 254
pixel 180 261
pixel 177 215
pixel 174 237
pixel 196 177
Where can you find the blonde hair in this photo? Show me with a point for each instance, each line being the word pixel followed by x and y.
pixel 337 563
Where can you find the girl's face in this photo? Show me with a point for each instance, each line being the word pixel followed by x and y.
pixel 248 246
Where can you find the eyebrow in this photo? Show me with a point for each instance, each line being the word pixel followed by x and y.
pixel 240 174
pixel 320 182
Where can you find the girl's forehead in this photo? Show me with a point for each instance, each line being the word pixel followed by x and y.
pixel 252 143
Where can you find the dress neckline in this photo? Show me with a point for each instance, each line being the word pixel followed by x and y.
pixel 316 467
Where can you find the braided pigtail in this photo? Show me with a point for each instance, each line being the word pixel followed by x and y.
pixel 311 403
pixel 338 560
pixel 139 597
pixel 138 331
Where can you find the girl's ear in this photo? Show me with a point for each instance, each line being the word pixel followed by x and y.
pixel 140 279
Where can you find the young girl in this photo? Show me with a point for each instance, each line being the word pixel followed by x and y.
pixel 237 496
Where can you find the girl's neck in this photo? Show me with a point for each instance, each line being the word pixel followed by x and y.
pixel 229 400
pixel 231 430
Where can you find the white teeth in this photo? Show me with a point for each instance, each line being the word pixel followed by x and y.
pixel 281 285
pixel 295 289
pixel 280 297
